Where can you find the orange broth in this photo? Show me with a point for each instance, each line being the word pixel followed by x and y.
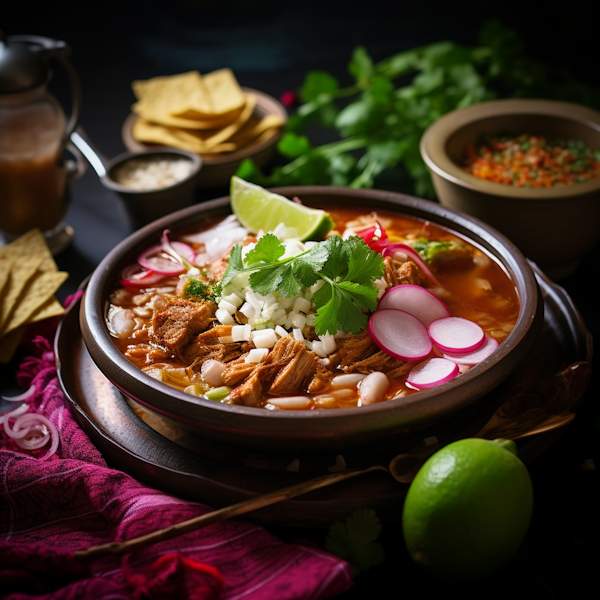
pixel 484 293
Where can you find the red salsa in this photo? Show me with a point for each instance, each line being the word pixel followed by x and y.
pixel 531 161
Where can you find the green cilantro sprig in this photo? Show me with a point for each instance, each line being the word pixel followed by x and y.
pixel 347 269
pixel 355 540
pixel 376 123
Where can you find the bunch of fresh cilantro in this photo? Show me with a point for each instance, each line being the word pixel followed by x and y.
pixel 378 121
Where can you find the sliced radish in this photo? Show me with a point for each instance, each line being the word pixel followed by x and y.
pixel 417 301
pixel 413 255
pixel 135 276
pixel 400 334
pixel 154 259
pixel 432 372
pixel 475 357
pixel 455 334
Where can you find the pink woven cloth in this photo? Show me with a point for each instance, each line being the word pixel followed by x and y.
pixel 73 501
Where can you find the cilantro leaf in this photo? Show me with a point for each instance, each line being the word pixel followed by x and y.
pixel 364 265
pixel 268 250
pixel 235 265
pixel 265 281
pixel 355 540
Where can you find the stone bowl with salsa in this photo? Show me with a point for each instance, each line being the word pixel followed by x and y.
pixel 528 167
pixel 158 336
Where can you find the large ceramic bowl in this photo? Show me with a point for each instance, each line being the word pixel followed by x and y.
pixel 554 227
pixel 319 429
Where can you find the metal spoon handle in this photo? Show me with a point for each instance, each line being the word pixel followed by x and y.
pixel 81 140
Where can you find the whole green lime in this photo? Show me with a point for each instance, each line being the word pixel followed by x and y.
pixel 468 509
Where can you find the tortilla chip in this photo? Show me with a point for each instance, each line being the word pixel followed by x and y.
pixel 50 308
pixel 22 272
pixel 9 344
pixel 5 264
pixel 254 128
pixel 194 141
pixel 38 290
pixel 31 243
pixel 189 100
pixel 156 115
pixel 224 93
pixel 222 135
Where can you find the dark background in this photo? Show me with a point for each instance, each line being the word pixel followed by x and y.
pixel 270 46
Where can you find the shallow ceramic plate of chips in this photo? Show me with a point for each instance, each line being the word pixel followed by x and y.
pixel 256 139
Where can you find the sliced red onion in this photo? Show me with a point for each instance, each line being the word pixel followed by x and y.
pixel 400 334
pixel 455 334
pixel 151 260
pixel 22 396
pixel 178 250
pixel 417 301
pixel 14 413
pixel 32 424
pixel 475 357
pixel 135 276
pixel 431 373
pixel 413 255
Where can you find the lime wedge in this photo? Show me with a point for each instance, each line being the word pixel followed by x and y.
pixel 258 209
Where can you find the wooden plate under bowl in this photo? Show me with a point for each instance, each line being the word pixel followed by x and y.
pixel 217 170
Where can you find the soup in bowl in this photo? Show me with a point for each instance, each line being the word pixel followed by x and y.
pixel 402 314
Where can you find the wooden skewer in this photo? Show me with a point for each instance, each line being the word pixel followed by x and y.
pixel 222 514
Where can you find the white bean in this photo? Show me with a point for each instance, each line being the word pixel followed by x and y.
pixel 347 381
pixel 291 402
pixel 211 372
pixel 122 323
pixel 373 387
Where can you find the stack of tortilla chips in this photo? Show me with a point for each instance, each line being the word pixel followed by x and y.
pixel 208 114
pixel 29 279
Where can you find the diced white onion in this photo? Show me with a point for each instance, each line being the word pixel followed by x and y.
pixel 280 331
pixel 329 344
pixel 298 321
pixel 256 355
pixel 301 305
pixel 224 317
pixel 297 333
pixel 248 310
pixel 234 299
pixel 318 349
pixel 266 339
pixel 230 308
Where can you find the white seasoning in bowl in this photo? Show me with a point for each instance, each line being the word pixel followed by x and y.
pixel 153 172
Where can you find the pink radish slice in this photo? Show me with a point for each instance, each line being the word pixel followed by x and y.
pixel 135 276
pixel 413 255
pixel 400 334
pixel 432 372
pixel 474 358
pixel 455 334
pixel 417 301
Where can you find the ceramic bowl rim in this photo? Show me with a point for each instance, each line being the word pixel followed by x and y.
pixel 433 144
